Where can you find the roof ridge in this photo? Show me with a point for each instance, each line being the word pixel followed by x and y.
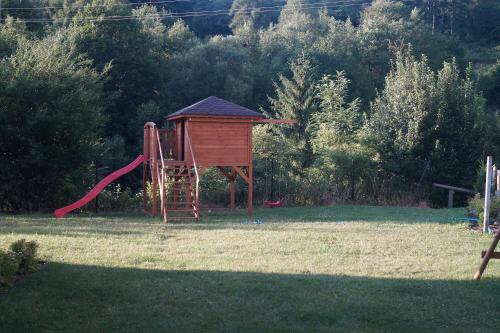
pixel 215 106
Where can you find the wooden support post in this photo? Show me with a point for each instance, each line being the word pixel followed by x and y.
pixel 188 189
pixel 232 189
pixel 250 171
pixel 179 142
pixel 175 191
pixel 250 189
pixel 145 169
pixel 451 193
pixel 154 172
pixel 497 193
pixel 487 257
pixel 487 194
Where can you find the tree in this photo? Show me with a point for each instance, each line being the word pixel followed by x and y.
pixel 244 11
pixel 133 53
pixel 423 116
pixel 341 161
pixel 50 117
pixel 11 33
pixel 295 97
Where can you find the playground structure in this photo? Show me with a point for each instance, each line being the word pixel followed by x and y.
pixel 451 192
pixel 491 188
pixel 210 133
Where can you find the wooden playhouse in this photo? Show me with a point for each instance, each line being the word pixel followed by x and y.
pixel 210 133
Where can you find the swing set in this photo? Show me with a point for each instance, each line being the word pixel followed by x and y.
pixel 270 202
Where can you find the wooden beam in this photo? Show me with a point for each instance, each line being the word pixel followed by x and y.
pixel 232 189
pixel 487 195
pixel 229 176
pixel 153 147
pixel 487 256
pixel 276 121
pixel 241 173
pixel 494 255
pixel 454 188
pixel 451 193
pixel 250 171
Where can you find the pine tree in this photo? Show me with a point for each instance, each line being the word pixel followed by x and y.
pixel 295 97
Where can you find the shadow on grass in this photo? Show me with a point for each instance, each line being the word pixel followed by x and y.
pixel 88 299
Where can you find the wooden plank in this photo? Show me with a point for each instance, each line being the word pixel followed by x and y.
pixel 179 141
pixel 494 255
pixel 219 157
pixel 487 256
pixel 498 181
pixel 250 172
pixel 487 194
pixel 454 188
pixel 201 146
pixel 241 173
pixel 232 189
pixel 451 193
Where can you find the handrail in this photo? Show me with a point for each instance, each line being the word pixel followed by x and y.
pixel 161 175
pixel 188 139
pixel 159 148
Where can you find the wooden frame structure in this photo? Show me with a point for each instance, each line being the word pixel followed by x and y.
pixel 451 192
pixel 210 133
pixel 492 183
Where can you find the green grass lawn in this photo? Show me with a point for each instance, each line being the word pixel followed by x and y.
pixel 315 269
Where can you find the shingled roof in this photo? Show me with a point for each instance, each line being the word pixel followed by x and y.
pixel 215 106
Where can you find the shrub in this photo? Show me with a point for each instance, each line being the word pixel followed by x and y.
pixel 477 204
pixel 9 265
pixel 117 199
pixel 26 253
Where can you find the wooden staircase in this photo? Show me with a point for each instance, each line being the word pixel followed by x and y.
pixel 179 193
pixel 175 179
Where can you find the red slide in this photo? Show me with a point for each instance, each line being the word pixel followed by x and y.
pixel 99 187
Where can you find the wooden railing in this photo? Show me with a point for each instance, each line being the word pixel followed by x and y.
pixel 197 176
pixel 168 143
pixel 161 176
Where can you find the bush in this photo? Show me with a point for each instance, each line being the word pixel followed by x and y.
pixel 9 265
pixel 476 204
pixel 26 253
pixel 118 199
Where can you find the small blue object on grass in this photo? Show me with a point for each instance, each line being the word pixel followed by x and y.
pixel 252 222
pixel 468 219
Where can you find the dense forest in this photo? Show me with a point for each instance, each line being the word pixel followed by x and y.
pixel 389 96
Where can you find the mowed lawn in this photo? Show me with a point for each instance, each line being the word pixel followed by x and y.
pixel 314 269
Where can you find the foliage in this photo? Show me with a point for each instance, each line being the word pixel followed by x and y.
pixel 26 253
pixel 295 100
pixel 20 258
pixel 476 204
pixel 50 117
pixel 76 91
pixel 9 265
pixel 118 199
pixel 423 116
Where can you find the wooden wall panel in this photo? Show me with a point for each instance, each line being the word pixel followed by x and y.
pixel 219 143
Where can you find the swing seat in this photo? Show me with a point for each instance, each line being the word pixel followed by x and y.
pixel 272 204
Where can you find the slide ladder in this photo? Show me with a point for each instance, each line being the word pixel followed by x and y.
pixel 180 197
